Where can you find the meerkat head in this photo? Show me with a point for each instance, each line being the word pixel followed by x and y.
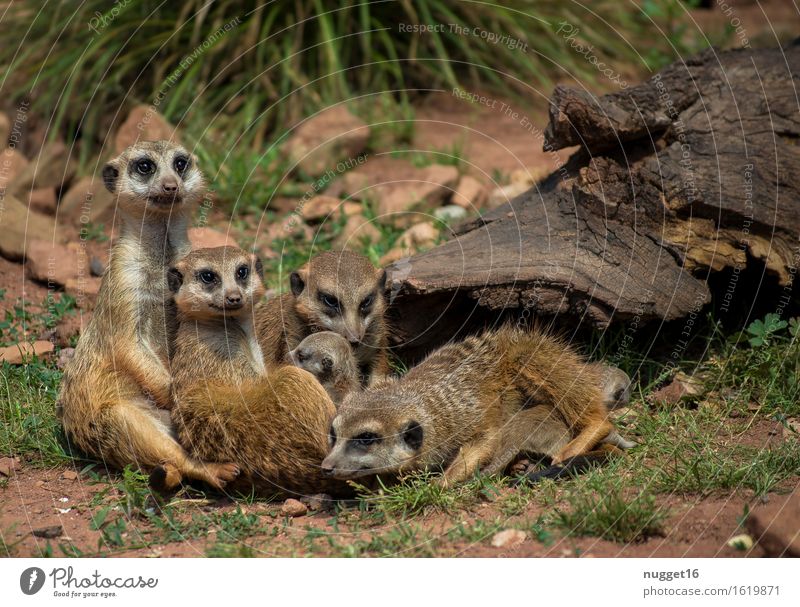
pixel 326 355
pixel 341 292
pixel 371 434
pixel 211 283
pixel 154 177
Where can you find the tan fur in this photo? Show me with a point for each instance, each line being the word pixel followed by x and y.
pixel 273 424
pixel 473 405
pixel 119 377
pixel 283 322
pixel 328 357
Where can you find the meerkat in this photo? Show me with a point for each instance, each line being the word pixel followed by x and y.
pixel 227 404
pixel 337 291
pixel 329 358
pixel 473 406
pixel 116 389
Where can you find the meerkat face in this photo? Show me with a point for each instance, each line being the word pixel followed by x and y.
pixel 212 283
pixel 340 292
pixel 365 441
pixel 154 177
pixel 325 355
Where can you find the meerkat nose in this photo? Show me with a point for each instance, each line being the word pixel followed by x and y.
pixel 233 298
pixel 169 185
pixel 326 471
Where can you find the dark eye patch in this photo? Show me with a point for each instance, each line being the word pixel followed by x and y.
pixel 242 272
pixel 366 304
pixel 180 164
pixel 143 167
pixel 330 302
pixel 332 436
pixel 365 439
pixel 208 277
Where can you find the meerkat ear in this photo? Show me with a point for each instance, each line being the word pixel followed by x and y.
pixel 174 279
pixel 297 283
pixel 110 176
pixel 382 281
pixel 259 267
pixel 413 435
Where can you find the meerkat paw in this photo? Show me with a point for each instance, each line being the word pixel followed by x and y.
pixel 165 477
pixel 222 474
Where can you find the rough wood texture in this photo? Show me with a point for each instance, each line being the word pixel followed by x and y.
pixel 690 173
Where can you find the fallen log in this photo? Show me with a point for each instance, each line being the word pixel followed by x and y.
pixel 687 175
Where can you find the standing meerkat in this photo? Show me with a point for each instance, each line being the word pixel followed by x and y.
pixel 116 387
pixel 337 291
pixel 274 423
pixel 328 357
pixel 473 406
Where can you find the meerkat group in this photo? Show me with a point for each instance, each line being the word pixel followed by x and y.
pixel 184 372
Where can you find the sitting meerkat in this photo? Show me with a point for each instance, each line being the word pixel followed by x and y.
pixel 227 405
pixel 328 357
pixel 473 406
pixel 337 291
pixel 117 386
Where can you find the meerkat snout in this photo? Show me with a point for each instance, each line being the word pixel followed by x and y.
pixel 209 283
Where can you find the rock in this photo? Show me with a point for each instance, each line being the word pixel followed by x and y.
pixel 51 168
pixel 682 388
pixel 508 538
pixel 43 200
pixel 332 138
pixel 470 193
pixel 741 542
pixel 18 224
pixel 88 201
pixel 5 129
pixel 55 263
pixel 64 356
pixel 321 207
pixel 776 525
pixel 397 201
pixel 503 194
pixel 84 289
pixel 356 232
pixel 21 352
pixel 69 475
pixel 8 466
pixel 207 238
pixel 293 508
pixel 49 532
pixel 450 214
pixel 143 123
pixel 12 163
pixel 414 239
pixel 96 266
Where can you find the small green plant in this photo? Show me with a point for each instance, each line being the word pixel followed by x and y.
pixel 762 331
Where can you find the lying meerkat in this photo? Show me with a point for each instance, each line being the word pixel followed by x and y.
pixel 116 386
pixel 473 406
pixel 337 291
pixel 228 406
pixel 328 357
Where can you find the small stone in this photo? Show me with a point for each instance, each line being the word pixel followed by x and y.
pixel 318 501
pixel 18 224
pixel 50 262
pixel 450 214
pixel 8 466
pixel 69 475
pixel 84 290
pixel 143 123
pixel 356 232
pixel 21 352
pixel 208 238
pixel 506 193
pixel 293 508
pixel 329 141
pixel 87 201
pixel 64 356
pixel 96 266
pixel 398 203
pixel 43 200
pixel 508 538
pixel 682 388
pixel 49 532
pixel 52 166
pixel 775 525
pixel 470 193
pixel 5 129
pixel 741 542
pixel 414 239
pixel 12 164
pixel 321 207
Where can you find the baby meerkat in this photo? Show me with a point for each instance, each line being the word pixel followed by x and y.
pixel 228 406
pixel 328 357
pixel 117 386
pixel 337 291
pixel 473 406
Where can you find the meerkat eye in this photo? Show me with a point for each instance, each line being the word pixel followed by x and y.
pixel 207 276
pixel 181 164
pixel 327 362
pixel 332 436
pixel 145 167
pixel 366 305
pixel 365 439
pixel 242 272
pixel 330 301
